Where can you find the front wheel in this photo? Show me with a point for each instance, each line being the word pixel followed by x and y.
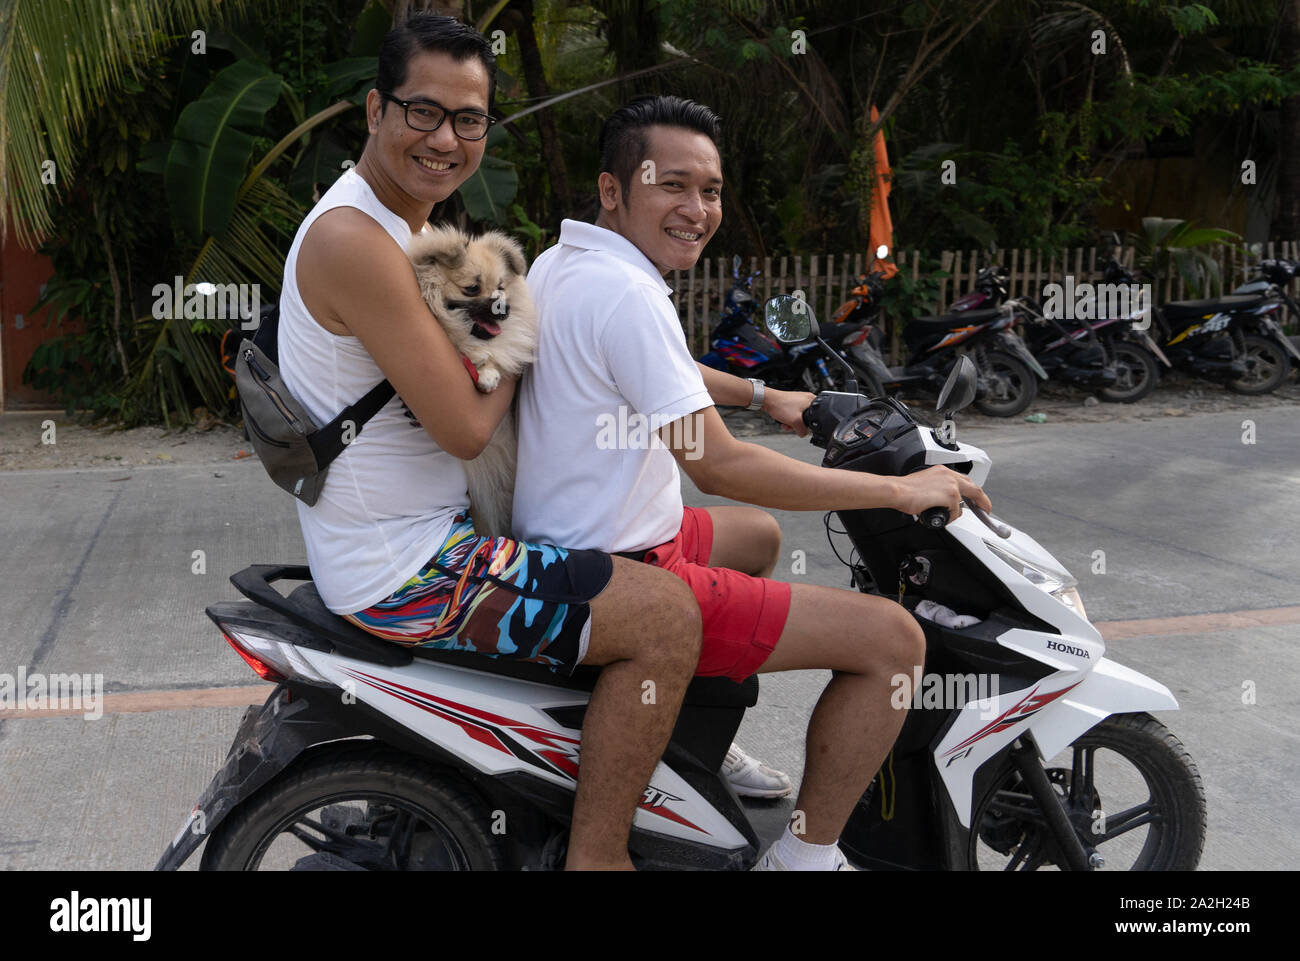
pixel 1137 374
pixel 358 808
pixel 1267 365
pixel 1130 790
pixel 1010 385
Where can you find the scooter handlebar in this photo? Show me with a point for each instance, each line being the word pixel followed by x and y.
pixel 935 518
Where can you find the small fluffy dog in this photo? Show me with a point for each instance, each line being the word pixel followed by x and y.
pixel 475 288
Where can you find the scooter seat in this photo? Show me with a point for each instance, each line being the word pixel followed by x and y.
pixel 921 327
pixel 350 641
pixel 836 334
pixel 1192 309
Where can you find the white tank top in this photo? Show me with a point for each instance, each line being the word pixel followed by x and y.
pixel 389 498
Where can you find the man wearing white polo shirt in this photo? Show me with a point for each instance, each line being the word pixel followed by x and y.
pixel 615 405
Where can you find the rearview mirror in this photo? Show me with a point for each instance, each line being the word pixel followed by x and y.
pixel 959 390
pixel 789 319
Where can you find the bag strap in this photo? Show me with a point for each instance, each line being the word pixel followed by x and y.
pixel 327 443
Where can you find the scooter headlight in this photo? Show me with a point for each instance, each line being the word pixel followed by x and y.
pixel 1058 583
pixel 1069 596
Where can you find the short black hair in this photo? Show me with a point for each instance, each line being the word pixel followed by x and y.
pixel 431 33
pixel 623 138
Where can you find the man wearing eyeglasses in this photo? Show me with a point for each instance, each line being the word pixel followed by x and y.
pixel 392 516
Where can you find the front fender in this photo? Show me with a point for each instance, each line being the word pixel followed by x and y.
pixel 1109 688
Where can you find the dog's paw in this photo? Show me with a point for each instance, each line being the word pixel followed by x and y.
pixel 488 379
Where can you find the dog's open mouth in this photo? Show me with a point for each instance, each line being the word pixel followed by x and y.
pixel 484 315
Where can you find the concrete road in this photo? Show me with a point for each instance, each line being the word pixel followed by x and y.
pixel 108 571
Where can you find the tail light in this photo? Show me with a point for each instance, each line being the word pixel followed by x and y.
pixel 263 669
pixel 854 339
pixel 271 658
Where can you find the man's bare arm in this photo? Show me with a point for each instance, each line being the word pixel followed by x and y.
pixel 784 406
pixel 352 273
pixel 720 464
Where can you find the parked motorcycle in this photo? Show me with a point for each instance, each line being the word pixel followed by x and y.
pixel 1235 340
pixel 1276 273
pixel 1006 368
pixel 1273 280
pixel 370 756
pixel 1068 350
pixel 740 346
pixel 1112 355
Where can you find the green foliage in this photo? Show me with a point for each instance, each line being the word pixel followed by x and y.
pixel 77 369
pixel 908 296
pixel 212 146
pixel 490 189
pixel 536 238
pixel 1035 123
pixel 1009 197
pixel 58 61
pixel 107 199
pixel 1150 105
pixel 1164 242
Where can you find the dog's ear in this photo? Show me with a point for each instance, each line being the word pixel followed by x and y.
pixel 511 253
pixel 443 246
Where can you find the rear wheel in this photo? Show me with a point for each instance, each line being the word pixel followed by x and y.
pixel 359 808
pixel 1137 374
pixel 1267 365
pixel 1129 789
pixel 1010 386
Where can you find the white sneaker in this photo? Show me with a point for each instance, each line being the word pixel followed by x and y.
pixel 749 778
pixel 770 862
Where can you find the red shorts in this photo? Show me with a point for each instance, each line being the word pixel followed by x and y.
pixel 743 615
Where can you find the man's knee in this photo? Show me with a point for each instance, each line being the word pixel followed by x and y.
pixel 907 641
pixel 895 643
pixel 656 617
pixel 768 541
pixel 682 627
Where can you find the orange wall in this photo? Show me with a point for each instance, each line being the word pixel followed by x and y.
pixel 22 273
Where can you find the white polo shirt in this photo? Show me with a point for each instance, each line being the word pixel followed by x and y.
pixel 612 368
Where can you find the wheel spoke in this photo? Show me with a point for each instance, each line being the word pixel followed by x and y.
pixel 313 842
pixel 399 842
pixel 1028 855
pixel 332 833
pixel 339 845
pixel 1134 817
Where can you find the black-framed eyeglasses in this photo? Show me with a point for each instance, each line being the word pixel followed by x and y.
pixel 427 116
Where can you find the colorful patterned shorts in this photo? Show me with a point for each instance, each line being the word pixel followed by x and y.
pixel 497 596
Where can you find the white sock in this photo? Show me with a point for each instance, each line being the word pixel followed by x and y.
pixel 799 855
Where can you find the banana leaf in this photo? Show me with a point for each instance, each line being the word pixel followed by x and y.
pixel 488 193
pixel 374 22
pixel 212 144
pixel 350 79
pixel 321 164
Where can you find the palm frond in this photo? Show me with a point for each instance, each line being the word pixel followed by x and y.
pixel 58 60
